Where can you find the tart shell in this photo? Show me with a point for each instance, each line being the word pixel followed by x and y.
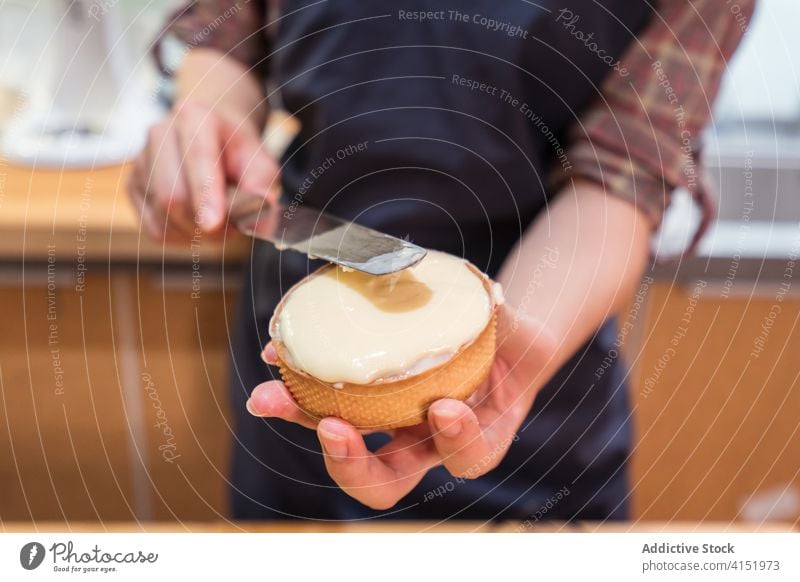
pixel 388 404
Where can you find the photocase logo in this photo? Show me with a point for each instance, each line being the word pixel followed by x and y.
pixel 31 555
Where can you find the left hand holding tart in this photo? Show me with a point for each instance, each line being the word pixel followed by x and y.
pixel 435 425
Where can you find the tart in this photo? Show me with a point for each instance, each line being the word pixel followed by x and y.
pixel 376 351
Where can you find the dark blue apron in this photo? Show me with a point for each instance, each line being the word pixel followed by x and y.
pixel 438 121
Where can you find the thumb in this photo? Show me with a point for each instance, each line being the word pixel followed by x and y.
pixel 247 162
pixel 524 339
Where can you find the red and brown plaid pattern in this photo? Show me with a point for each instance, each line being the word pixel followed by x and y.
pixel 640 138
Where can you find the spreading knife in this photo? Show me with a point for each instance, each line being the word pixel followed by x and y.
pixel 320 235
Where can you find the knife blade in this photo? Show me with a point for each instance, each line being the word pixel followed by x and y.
pixel 321 235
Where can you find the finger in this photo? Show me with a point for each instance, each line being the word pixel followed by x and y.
pixel 462 444
pixel 137 193
pixel 472 438
pixel 200 149
pixel 496 412
pixel 270 355
pixel 247 163
pixel 166 182
pixel 273 400
pixel 377 480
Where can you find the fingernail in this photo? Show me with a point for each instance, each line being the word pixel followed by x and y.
pixel 448 423
pixel 269 355
pixel 335 445
pixel 210 218
pixel 249 406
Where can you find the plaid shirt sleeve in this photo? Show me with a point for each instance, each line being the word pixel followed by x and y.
pixel 640 138
pixel 235 27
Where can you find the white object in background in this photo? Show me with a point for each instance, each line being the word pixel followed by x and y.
pixel 779 503
pixel 85 109
pixel 677 228
pixel 763 79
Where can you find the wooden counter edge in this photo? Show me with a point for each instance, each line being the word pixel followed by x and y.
pixel 452 526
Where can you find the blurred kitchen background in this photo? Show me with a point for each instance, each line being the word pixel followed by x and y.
pixel 113 378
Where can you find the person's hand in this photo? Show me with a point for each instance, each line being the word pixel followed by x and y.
pixel 179 181
pixel 470 439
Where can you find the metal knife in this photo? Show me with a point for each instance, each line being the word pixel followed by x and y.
pixel 320 235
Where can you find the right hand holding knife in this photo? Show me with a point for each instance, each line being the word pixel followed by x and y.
pixel 180 180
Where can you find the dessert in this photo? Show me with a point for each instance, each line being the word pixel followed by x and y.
pixel 378 350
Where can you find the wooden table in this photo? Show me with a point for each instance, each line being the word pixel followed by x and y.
pixel 83 213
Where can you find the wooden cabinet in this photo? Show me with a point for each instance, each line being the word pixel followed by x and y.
pixel 717 404
pixel 64 443
pixel 183 381
pixel 114 398
pixel 108 365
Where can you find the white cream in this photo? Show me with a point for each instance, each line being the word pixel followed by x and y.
pixel 345 326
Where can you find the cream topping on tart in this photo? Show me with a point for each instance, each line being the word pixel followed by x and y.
pixel 346 326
